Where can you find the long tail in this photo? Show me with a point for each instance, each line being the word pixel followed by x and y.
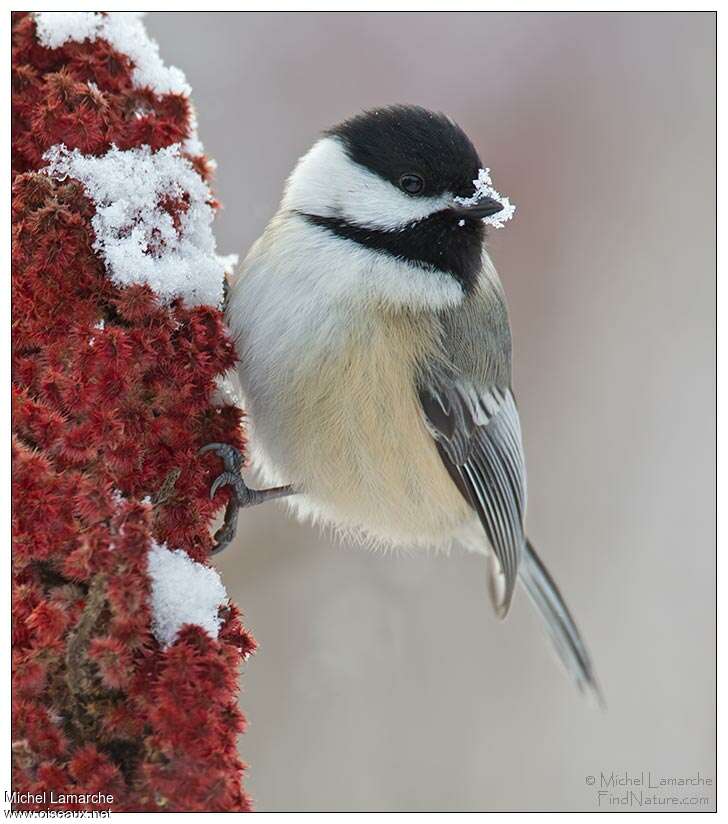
pixel 544 593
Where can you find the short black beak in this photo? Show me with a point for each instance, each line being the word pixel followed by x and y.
pixel 485 207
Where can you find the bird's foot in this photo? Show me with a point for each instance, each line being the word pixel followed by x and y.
pixel 242 495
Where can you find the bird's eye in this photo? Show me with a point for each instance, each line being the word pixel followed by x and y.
pixel 411 183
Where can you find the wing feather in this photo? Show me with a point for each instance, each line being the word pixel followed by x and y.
pixel 478 433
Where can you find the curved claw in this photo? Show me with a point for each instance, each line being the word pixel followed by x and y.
pixel 226 533
pixel 230 456
pixel 210 447
pixel 222 480
pixel 242 496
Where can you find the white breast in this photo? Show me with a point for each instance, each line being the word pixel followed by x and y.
pixel 328 373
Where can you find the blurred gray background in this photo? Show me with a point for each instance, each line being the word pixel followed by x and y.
pixel 384 682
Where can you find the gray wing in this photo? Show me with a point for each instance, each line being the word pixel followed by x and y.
pixel 478 435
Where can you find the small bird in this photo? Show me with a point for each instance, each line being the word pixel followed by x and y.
pixel 375 358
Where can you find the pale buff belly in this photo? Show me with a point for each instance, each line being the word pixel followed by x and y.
pixel 346 428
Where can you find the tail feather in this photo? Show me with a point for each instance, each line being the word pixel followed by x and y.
pixel 561 627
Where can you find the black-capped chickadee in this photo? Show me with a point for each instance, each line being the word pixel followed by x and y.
pixel 375 357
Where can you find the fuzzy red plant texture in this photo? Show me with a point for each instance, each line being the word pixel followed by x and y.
pixel 119 349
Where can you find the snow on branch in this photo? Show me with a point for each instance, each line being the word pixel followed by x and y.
pixel 183 592
pixel 125 32
pixel 140 238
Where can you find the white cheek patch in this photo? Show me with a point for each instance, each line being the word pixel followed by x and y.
pixel 327 183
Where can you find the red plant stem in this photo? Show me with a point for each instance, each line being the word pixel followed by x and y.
pixel 104 415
